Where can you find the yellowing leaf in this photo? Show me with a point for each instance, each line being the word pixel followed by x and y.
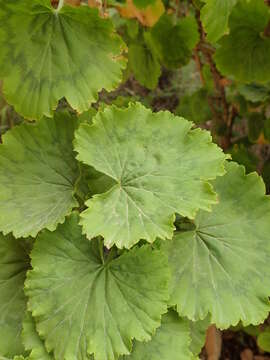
pixel 147 16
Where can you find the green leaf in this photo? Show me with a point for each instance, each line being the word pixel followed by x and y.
pixel 156 173
pixel 198 334
pixel 37 174
pixel 144 63
pixel 171 341
pixel 263 340
pixel 245 52
pixel 31 340
pixel 254 92
pixel 244 156
pixel 84 305
pixel 48 54
pixel 214 16
pixel 222 268
pixel 255 126
pixel 14 263
pixel 195 107
pixel 174 43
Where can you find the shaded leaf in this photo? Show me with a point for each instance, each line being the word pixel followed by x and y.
pixel 14 262
pixel 144 63
pixel 174 43
pixel 245 52
pixel 195 107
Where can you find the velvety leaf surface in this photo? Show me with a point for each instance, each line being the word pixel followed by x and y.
pixel 14 263
pixel 159 167
pixel 171 341
pixel 222 268
pixel 31 340
pixel 245 52
pixel 37 174
pixel 215 15
pixel 84 306
pixel 47 55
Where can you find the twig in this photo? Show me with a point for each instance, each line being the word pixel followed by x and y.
pixel 221 119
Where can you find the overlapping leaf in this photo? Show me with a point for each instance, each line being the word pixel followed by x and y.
pixel 221 267
pixel 215 15
pixel 85 305
pixel 14 263
pixel 37 174
pixel 174 42
pixel 47 55
pixel 32 341
pixel 245 52
pixel 171 341
pixel 144 63
pixel 159 167
pixel 198 334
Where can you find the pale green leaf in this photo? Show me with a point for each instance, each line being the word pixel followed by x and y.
pixel 14 262
pixel 159 167
pixel 84 306
pixel 222 267
pixel 47 55
pixel 214 16
pixel 198 335
pixel 245 53
pixel 171 341
pixel 31 340
pixel 37 174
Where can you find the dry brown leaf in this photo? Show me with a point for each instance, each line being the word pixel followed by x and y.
pixel 147 17
pixel 213 343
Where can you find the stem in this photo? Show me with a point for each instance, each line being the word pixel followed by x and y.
pixel 60 5
pixel 221 119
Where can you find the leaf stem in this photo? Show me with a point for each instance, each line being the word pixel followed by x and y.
pixel 60 5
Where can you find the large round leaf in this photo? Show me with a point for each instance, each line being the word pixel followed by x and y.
pixel 14 263
pixel 245 52
pixel 37 174
pixel 159 167
pixel 171 341
pixel 48 54
pixel 85 305
pixel 222 267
